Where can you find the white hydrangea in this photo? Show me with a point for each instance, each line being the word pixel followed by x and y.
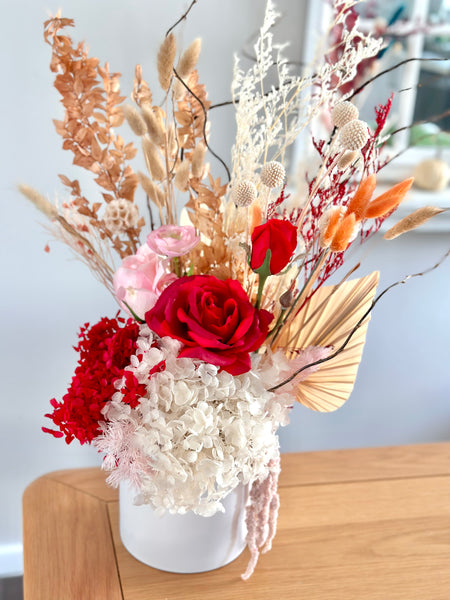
pixel 202 431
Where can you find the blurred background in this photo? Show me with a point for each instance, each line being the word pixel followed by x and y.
pixel 401 394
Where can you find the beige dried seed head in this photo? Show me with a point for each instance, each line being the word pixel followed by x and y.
pixel 134 120
pixel 273 174
pixel 151 189
pixel 166 56
pixel 181 180
pixel 413 220
pixel 153 159
pixel 189 59
pixel 120 215
pixel 172 140
pixel 348 158
pixel 154 125
pixel 354 135
pixel 244 193
pixel 344 112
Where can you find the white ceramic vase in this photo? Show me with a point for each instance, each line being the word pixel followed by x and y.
pixel 186 543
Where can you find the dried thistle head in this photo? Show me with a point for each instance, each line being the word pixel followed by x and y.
pixel 273 174
pixel 354 135
pixel 244 193
pixel 343 112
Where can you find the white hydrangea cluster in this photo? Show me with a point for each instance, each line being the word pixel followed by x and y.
pixel 202 431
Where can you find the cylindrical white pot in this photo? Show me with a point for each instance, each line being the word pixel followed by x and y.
pixel 185 543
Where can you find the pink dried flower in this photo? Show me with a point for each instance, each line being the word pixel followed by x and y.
pixel 172 240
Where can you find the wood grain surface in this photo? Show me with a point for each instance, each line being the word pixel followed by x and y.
pixel 366 524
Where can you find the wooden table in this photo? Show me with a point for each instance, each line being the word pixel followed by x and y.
pixel 354 525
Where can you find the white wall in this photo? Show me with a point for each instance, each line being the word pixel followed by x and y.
pixel 46 297
pixel 402 390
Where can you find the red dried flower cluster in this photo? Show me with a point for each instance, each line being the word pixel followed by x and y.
pixel 105 350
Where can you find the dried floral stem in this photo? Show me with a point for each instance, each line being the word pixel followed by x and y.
pixel 182 18
pixel 396 66
pixel 205 114
pixel 360 322
pixel 422 122
pixel 302 294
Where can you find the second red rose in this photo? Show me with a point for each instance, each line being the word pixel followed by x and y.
pixel 280 237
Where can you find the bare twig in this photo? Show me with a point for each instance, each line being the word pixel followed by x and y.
pixel 182 18
pixel 205 120
pixel 359 323
pixel 402 62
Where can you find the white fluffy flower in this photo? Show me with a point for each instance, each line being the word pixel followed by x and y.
pixel 202 431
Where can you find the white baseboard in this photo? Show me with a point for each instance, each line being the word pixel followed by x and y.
pixel 11 560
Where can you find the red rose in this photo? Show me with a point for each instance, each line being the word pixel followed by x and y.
pixel 280 237
pixel 214 319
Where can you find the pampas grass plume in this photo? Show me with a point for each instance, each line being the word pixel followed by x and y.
pixel 40 202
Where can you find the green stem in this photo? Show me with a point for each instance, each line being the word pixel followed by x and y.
pixel 261 283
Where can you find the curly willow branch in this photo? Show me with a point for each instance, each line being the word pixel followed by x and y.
pixel 359 323
pixel 205 120
pixel 396 66
pixel 182 18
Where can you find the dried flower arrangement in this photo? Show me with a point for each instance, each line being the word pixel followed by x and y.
pixel 228 315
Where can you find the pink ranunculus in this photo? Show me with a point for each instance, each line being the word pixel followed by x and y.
pixel 140 280
pixel 172 240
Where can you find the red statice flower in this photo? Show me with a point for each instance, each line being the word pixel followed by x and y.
pixel 105 350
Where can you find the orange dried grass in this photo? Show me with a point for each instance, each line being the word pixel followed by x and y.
pixel 358 204
pixel 344 233
pixel 333 224
pixel 389 200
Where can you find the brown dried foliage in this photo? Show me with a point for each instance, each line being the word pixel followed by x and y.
pixel 91 99
pixel 204 208
pixel 190 115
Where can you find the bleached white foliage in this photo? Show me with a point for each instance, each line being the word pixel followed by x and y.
pixel 269 120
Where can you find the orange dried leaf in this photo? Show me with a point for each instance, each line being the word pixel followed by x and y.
pixel 387 202
pixel 358 204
